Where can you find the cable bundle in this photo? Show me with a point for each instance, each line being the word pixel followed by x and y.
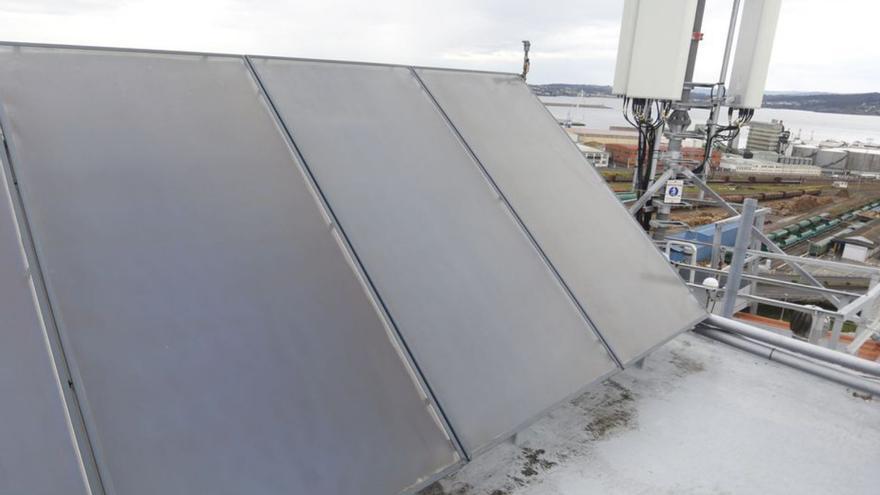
pixel 725 133
pixel 647 116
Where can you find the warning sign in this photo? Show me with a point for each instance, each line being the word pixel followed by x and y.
pixel 674 189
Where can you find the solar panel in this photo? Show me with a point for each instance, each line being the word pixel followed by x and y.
pixel 290 276
pixel 37 452
pixel 223 341
pixel 626 287
pixel 495 334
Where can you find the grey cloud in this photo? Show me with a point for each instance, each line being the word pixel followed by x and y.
pixel 820 45
pixel 59 7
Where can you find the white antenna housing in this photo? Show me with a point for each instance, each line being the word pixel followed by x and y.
pixel 653 49
pixel 751 62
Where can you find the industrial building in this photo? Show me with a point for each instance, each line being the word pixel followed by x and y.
pixel 862 159
pixel 857 248
pixel 602 137
pixel 597 157
pixel 765 136
pixel 756 166
pixel 840 158
pixel 624 155
pixel 795 160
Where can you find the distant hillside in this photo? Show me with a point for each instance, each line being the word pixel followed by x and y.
pixel 854 104
pixel 570 89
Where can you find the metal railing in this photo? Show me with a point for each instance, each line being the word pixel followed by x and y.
pixel 740 280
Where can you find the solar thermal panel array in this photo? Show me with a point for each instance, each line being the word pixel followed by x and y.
pixel 272 275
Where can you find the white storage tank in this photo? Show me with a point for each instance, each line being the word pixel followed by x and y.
pixel 834 158
pixel 863 160
pixel 804 150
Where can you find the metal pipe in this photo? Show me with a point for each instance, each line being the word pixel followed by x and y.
pixel 743 240
pixel 766 280
pixel 693 256
pixel 832 265
pixel 712 122
pixel 813 351
pixel 663 214
pixel 789 305
pixel 696 37
pixel 679 121
pixel 655 154
pixel 655 187
pixel 859 303
pixel 753 262
pixel 716 246
pixel 836 329
pixel 725 62
pixel 735 217
pixel 792 361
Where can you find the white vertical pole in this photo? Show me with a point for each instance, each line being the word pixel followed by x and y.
pixel 743 239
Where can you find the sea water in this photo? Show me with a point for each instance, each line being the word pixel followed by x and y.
pixel 810 126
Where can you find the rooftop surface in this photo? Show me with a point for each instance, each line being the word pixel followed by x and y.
pixel 699 418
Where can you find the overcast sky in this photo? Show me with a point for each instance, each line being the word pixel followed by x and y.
pixel 821 45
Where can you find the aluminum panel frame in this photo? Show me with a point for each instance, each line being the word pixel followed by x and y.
pixel 599 251
pixel 467 291
pixel 190 268
pixel 38 449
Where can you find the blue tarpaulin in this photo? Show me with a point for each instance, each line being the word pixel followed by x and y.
pixel 704 233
